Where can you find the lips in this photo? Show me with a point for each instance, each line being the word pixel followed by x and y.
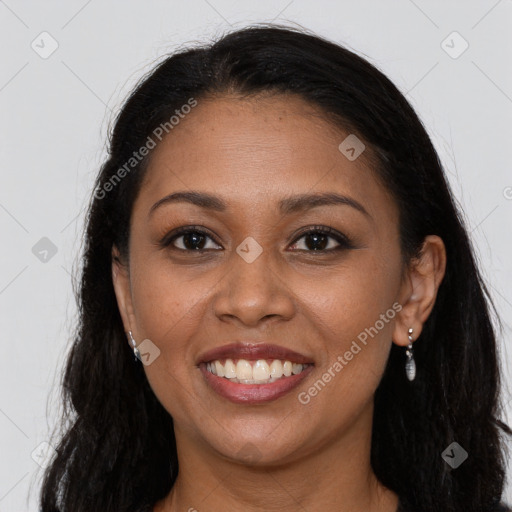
pixel 250 394
pixel 253 352
pixel 244 393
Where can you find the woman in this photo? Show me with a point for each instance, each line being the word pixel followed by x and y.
pixel 280 307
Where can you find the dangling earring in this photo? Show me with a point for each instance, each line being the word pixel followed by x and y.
pixel 410 364
pixel 135 349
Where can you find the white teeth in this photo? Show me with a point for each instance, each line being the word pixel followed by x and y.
pixel 254 372
pixel 219 369
pixel 296 368
pixel 261 370
pixel 243 369
pixel 229 369
pixel 276 369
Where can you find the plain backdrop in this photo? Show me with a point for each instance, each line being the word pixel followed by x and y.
pixel 66 68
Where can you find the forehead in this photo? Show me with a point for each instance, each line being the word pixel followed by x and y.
pixel 251 150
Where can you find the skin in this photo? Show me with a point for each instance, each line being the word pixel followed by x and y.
pixel 252 153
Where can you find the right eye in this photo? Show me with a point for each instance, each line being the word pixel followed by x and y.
pixel 192 239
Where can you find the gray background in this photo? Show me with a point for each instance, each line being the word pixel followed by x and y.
pixel 55 115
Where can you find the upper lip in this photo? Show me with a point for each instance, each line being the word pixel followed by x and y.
pixel 253 351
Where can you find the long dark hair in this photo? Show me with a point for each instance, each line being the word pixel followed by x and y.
pixel 118 451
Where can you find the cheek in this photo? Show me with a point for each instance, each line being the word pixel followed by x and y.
pixel 352 297
pixel 165 300
pixel 168 310
pixel 354 316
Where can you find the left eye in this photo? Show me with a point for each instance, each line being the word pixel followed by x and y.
pixel 316 240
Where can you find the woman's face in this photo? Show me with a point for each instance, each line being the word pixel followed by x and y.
pixel 259 279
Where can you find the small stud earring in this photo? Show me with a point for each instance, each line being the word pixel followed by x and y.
pixel 135 349
pixel 410 364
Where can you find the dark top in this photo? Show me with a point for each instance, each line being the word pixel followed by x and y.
pixel 501 508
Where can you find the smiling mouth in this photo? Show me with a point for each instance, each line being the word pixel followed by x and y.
pixel 260 371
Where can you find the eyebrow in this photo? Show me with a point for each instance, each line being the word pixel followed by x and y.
pixel 287 206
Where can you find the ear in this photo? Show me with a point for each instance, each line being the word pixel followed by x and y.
pixel 419 289
pixel 122 288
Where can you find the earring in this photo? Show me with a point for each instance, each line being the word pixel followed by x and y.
pixel 135 349
pixel 410 364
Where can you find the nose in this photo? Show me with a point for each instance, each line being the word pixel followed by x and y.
pixel 253 293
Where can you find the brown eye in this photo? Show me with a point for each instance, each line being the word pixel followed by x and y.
pixel 317 240
pixel 189 239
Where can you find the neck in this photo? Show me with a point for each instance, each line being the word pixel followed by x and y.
pixel 333 477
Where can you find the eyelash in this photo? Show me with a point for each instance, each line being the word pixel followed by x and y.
pixel 343 241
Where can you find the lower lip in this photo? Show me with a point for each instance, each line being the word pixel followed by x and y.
pixel 253 393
